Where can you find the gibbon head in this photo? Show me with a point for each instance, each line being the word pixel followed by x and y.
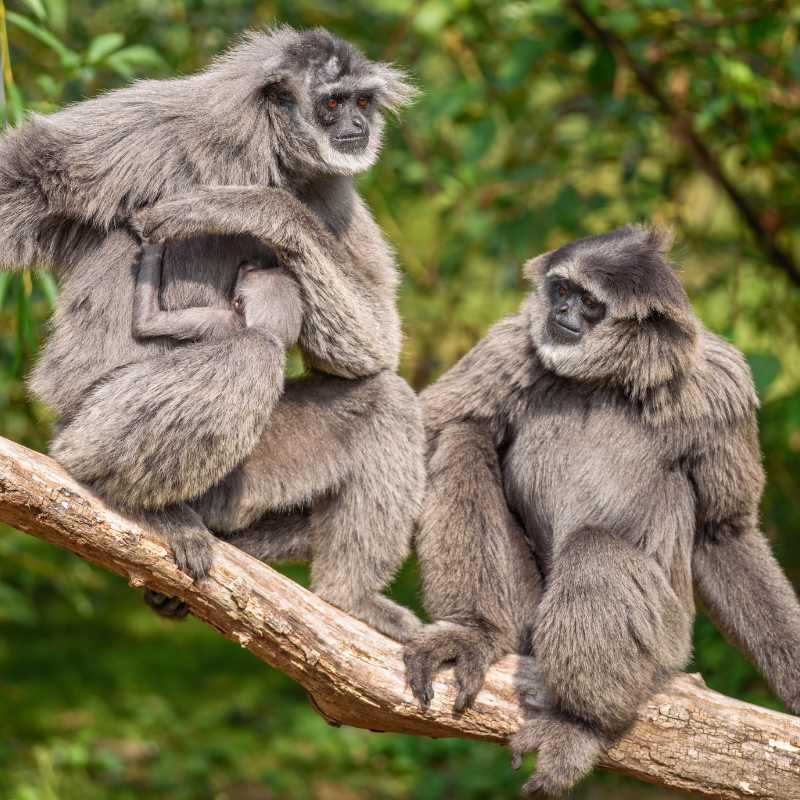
pixel 610 309
pixel 316 101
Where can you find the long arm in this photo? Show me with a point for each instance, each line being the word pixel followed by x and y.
pixel 351 326
pixel 149 319
pixel 481 581
pixel 31 234
pixel 62 184
pixel 735 573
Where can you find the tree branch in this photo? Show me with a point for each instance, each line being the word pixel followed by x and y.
pixel 688 738
pixel 684 130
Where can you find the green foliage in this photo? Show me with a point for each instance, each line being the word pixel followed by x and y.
pixel 530 131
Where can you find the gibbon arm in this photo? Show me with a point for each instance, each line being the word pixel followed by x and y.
pixel 351 327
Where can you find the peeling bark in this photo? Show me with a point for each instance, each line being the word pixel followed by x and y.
pixel 687 738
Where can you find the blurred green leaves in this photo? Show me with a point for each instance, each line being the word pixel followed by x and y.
pixel 102 46
pixel 765 369
pixel 530 132
pixel 105 51
pixel 69 59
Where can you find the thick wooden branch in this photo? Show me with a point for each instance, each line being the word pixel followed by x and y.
pixel 688 738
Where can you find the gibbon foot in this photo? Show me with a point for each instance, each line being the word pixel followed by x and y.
pixel 439 643
pixel 183 532
pixel 172 608
pixel 568 749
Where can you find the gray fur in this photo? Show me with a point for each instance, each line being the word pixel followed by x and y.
pixel 264 298
pixel 630 459
pixel 235 164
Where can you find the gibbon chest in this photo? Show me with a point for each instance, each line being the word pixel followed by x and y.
pixel 576 464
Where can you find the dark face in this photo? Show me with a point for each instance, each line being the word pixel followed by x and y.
pixel 345 120
pixel 573 311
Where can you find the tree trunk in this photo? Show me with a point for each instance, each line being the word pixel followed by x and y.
pixel 688 738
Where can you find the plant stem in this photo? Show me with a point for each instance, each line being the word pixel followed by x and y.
pixel 5 62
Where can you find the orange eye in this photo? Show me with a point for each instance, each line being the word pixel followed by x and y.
pixel 562 290
pixel 587 301
pixel 362 101
pixel 238 305
pixel 332 102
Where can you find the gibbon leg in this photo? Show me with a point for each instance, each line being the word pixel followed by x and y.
pixel 609 632
pixel 192 545
pixel 276 537
pixel 156 433
pixel 350 451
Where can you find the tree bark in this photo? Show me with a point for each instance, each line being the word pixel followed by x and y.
pixel 687 738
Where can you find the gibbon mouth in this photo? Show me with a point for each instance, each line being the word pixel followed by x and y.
pixel 568 328
pixel 351 145
pixel 560 333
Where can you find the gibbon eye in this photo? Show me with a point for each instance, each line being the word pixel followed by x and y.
pixel 562 290
pixel 588 301
pixel 363 100
pixel 332 102
pixel 238 305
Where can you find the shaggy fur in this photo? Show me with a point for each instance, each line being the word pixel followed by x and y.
pixel 238 163
pixel 630 459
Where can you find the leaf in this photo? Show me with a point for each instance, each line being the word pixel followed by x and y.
pixel 764 138
pixel 5 283
pixel 16 106
pixel 603 69
pixel 624 22
pixel 57 13
pixel 49 286
pixel 522 59
pixel 737 72
pixel 794 63
pixel 451 104
pixel 68 57
pixel 137 55
pixel 568 207
pixel 518 233
pixel 431 18
pixel 481 136
pixel 527 172
pixel 102 46
pixel 49 86
pixel 26 333
pixel 37 8
pixel 718 107
pixel 765 368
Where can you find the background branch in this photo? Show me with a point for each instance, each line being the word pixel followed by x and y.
pixel 688 738
pixel 684 130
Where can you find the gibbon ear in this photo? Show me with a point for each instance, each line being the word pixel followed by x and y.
pixel 536 268
pixel 396 89
pixel 277 90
